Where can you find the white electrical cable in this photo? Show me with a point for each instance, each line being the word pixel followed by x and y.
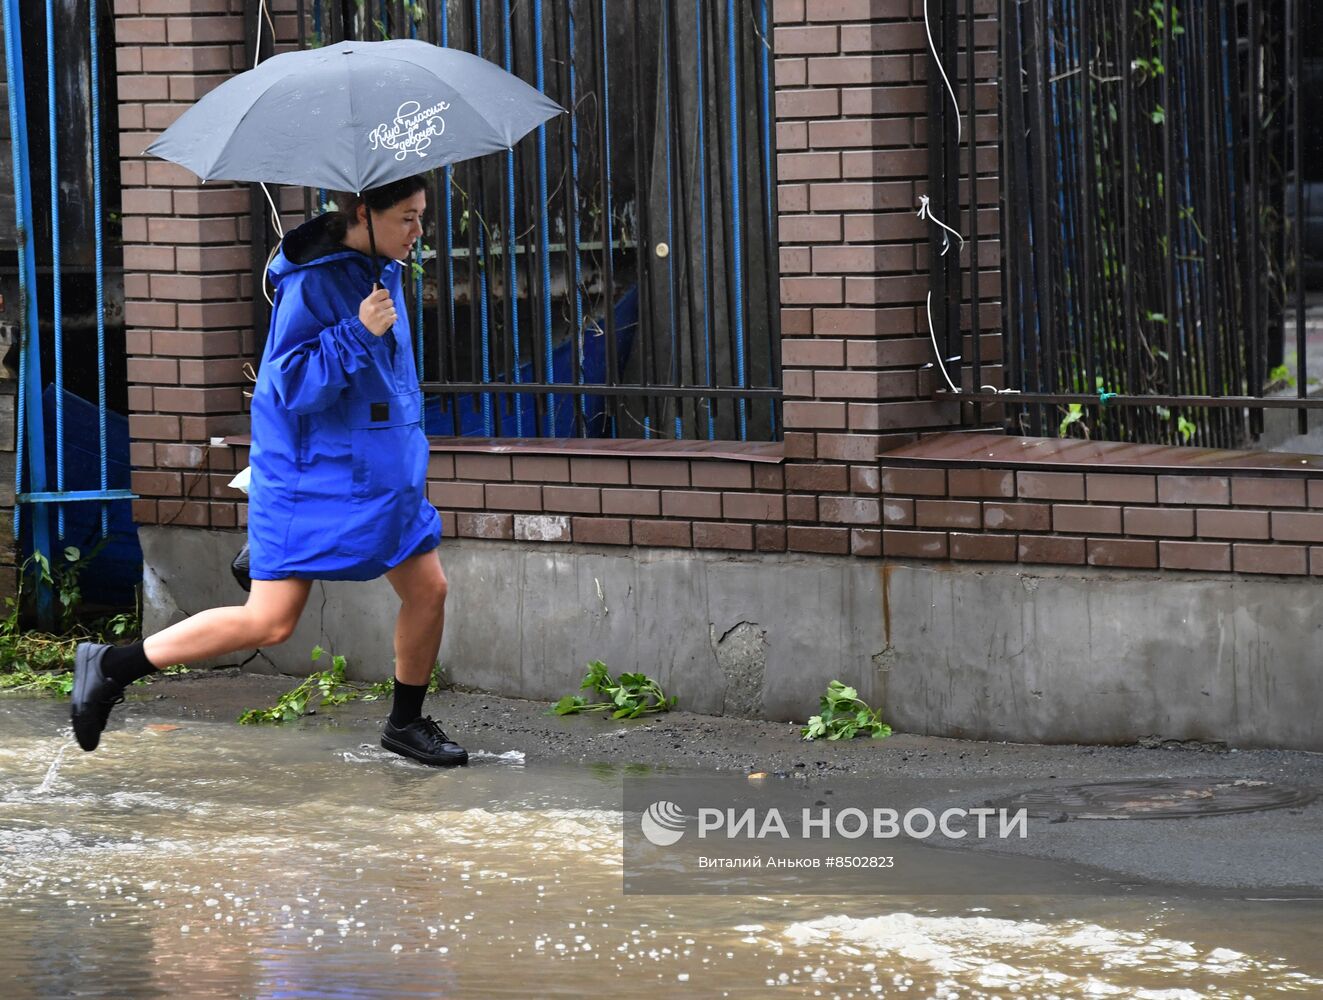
pixel 926 212
pixel 936 353
pixel 257 51
pixel 932 47
pixel 275 212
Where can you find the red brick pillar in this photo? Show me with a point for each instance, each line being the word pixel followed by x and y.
pixel 852 162
pixel 187 264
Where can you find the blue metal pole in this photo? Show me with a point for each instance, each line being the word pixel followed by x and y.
pixel 418 306
pixel 511 258
pixel 732 53
pixel 577 262
pixel 94 36
pixel 30 437
pixel 449 214
pixel 57 318
pixel 670 218
pixel 765 104
pixel 474 220
pixel 765 123
pixel 702 207
pixel 609 250
pixel 543 230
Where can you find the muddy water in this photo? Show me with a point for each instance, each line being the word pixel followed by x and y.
pixel 208 860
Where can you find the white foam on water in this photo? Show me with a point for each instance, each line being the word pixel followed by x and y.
pixel 591 833
pixel 367 753
pixel 127 800
pixel 994 953
pixel 53 770
pixel 514 756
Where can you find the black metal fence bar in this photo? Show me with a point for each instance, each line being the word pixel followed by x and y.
pixel 1113 400
pixel 606 255
pixel 1152 214
pixel 1295 34
pixel 640 391
pixel 975 270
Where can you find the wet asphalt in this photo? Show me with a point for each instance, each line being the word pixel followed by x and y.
pixel 1263 853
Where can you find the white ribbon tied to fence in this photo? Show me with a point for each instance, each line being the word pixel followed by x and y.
pixel 926 212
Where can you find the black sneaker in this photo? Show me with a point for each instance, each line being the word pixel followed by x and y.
pixel 424 741
pixel 94 695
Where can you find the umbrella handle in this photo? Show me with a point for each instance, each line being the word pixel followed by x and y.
pixel 372 242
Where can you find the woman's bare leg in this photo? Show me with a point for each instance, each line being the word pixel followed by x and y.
pixel 268 619
pixel 102 671
pixel 421 585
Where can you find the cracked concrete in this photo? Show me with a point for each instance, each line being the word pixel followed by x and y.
pixel 741 653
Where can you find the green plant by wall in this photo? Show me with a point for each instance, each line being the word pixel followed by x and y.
pixel 322 688
pixel 38 662
pixel 628 697
pixel 843 717
pixel 62 577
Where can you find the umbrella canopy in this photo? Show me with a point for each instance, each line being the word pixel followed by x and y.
pixel 354 116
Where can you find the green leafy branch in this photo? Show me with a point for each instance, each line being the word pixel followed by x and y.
pixel 844 716
pixel 38 662
pixel 319 689
pixel 628 697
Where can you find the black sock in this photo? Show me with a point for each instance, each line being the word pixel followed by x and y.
pixel 125 664
pixel 408 704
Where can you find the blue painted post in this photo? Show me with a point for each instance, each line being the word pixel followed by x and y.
pixel 577 261
pixel 703 209
pixel 317 31
pixel 449 215
pixel 418 308
pixel 732 52
pixel 94 37
pixel 30 436
pixel 670 218
pixel 765 104
pixel 511 257
pixel 609 243
pixel 481 230
pixel 543 230
pixel 765 124
pixel 57 310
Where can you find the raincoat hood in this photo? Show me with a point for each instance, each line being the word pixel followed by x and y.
pixel 312 245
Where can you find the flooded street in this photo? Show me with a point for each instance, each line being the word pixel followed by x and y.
pixel 201 859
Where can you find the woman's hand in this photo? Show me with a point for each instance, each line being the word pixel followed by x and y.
pixel 377 312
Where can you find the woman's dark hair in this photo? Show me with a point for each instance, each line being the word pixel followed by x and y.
pixel 378 199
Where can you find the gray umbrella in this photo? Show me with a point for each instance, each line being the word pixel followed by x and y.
pixel 353 116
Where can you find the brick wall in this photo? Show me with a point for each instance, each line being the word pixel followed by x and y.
pixel 1170 511
pixel 186 261
pixel 850 102
pixel 651 496
pixel 852 477
pixel 851 105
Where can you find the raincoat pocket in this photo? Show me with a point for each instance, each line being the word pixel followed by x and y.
pixel 384 435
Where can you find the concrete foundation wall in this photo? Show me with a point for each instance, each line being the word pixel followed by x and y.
pixel 1009 652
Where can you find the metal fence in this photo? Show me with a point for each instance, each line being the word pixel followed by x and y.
pixel 620 265
pixel 71 444
pixel 1152 280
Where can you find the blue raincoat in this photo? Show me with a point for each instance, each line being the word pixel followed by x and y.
pixel 339 457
